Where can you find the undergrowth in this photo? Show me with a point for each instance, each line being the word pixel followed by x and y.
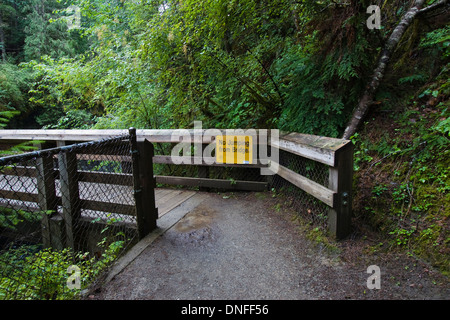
pixel 402 175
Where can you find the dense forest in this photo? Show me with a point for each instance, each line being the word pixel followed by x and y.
pixel 315 67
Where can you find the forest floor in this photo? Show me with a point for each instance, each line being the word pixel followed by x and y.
pixel 243 246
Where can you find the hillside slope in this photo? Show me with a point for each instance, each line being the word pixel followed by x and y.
pixel 402 178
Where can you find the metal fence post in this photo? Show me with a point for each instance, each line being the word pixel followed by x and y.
pixel 144 184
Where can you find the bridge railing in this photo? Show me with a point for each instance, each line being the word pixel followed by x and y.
pixel 315 170
pixel 322 167
pixel 74 204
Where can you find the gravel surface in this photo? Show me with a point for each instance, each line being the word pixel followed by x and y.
pixel 236 246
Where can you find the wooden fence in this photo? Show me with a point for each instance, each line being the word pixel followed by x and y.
pixel 336 154
pixel 69 200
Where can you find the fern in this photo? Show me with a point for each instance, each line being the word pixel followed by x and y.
pixel 440 39
pixel 5 116
pixel 412 78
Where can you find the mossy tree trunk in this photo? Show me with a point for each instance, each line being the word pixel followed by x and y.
pixel 366 99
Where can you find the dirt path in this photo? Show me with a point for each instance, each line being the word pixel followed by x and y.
pixel 237 246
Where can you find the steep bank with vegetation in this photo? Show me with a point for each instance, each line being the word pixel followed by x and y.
pixel 402 158
pixel 294 65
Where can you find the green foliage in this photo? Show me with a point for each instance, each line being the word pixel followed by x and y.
pixel 74 119
pixel 438 39
pixel 412 78
pixel 297 66
pixel 29 272
pixel 14 83
pixel 5 116
pixel 12 27
pixel 409 170
pixel 43 37
pixel 324 85
pixel 361 154
pixel 10 218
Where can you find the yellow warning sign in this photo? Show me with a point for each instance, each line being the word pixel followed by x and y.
pixel 234 149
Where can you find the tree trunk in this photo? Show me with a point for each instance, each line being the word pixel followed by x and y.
pixel 367 98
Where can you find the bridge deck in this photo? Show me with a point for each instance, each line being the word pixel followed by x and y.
pixel 167 199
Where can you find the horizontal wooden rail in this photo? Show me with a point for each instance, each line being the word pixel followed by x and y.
pixel 151 135
pixel 313 188
pixel 109 207
pixel 204 161
pixel 20 171
pixel 213 183
pixel 122 179
pixel 320 149
pixel 18 195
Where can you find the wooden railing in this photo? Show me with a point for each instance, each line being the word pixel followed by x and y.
pixel 80 187
pixel 337 154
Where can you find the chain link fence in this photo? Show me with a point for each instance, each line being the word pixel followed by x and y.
pixel 306 206
pixel 231 173
pixel 66 214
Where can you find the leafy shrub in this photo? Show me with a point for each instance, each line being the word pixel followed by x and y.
pixel 28 272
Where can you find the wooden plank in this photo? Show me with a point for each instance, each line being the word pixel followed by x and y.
pixel 59 135
pixel 152 135
pixel 320 142
pixel 122 179
pixel 108 178
pixel 313 188
pixel 321 149
pixel 171 193
pixel 162 135
pixel 205 161
pixel 16 195
pixel 165 206
pixel 159 192
pixel 319 155
pixel 213 183
pixel 19 171
pixel 109 207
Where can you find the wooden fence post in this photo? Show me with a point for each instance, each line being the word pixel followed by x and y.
pixel 203 171
pixel 144 184
pixel 340 181
pixel 47 195
pixel 70 195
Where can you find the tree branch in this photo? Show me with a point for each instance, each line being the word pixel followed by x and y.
pixel 432 7
pixel 367 98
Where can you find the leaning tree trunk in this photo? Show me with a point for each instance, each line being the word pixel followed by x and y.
pixel 367 98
